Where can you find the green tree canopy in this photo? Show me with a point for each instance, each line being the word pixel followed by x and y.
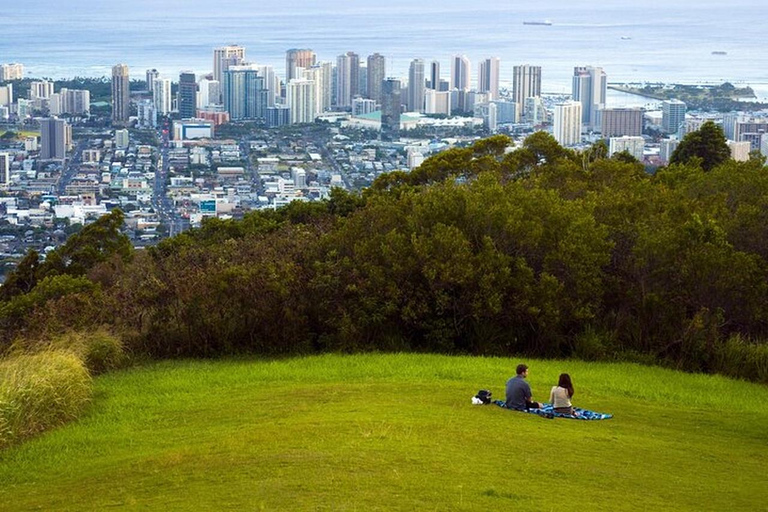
pixel 707 143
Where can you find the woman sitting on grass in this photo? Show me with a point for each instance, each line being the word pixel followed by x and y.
pixel 561 395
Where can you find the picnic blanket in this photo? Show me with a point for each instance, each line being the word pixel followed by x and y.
pixel 547 411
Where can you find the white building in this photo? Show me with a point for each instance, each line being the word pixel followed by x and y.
pixel 668 146
pixel 740 150
pixel 122 140
pixel 362 106
pixel 301 99
pixel 567 123
pixel 13 71
pixel 161 94
pixel 40 90
pixel 437 102
pixel 633 145
pixel 208 93
pixel 192 129
pixel 5 168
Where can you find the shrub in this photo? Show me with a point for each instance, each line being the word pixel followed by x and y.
pixel 740 358
pixel 39 392
pixel 100 350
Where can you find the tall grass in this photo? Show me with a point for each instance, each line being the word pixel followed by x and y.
pixel 40 391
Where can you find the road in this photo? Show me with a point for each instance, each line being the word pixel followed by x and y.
pixel 71 167
pixel 162 204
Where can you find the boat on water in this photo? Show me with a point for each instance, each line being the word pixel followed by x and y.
pixel 625 38
pixel 719 53
pixel 545 23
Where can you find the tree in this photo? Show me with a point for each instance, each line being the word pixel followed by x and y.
pixel 707 143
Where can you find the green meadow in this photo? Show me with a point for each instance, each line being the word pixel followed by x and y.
pixel 395 432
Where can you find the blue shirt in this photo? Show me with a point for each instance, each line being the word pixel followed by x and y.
pixel 518 393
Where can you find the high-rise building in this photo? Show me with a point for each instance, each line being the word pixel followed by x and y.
pixel 325 88
pixel 618 122
pixel 347 79
pixel 245 93
pixel 589 88
pixel 316 74
pixel 391 107
pixel 672 115
pixel 121 94
pixel 162 96
pixel 533 110
pixel 271 82
pixel 668 146
pixel 147 114
pixel 740 150
pixel 187 94
pixel 13 71
pixel 377 72
pixel 488 77
pixel 70 101
pixel 633 145
pixel 460 72
pixel 415 98
pixel 5 168
pixel 122 139
pixel 208 93
pixel 300 96
pixel 40 90
pixel 53 139
pixel 567 123
pixel 362 106
pixel 362 84
pixel 751 129
pixel 6 95
pixel 152 75
pixel 437 102
pixel 224 57
pixel 279 115
pixel 434 75
pixel 526 83
pixel 298 58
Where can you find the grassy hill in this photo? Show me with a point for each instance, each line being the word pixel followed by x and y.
pixel 395 432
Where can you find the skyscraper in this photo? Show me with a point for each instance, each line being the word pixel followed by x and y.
pixel 347 79
pixel 152 75
pixel 488 77
pixel 245 93
pixel 208 92
pixel 5 168
pixel 271 84
pixel 377 72
pixel 226 56
pixel 121 94
pixel 672 115
pixel 434 75
pixel 187 94
pixel 53 139
pixel 460 72
pixel 589 88
pixel 316 74
pixel 567 123
pixel 301 96
pixel 618 122
pixel 298 58
pixel 391 106
pixel 162 96
pixel 40 90
pixel 526 83
pixel 416 86
pixel 325 98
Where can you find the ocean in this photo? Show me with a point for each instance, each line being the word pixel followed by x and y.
pixel 669 41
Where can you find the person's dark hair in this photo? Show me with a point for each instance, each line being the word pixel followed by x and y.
pixel 521 368
pixel 565 382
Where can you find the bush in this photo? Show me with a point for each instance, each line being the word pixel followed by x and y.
pixel 100 350
pixel 739 358
pixel 39 392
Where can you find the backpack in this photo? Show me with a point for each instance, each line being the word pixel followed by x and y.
pixel 484 396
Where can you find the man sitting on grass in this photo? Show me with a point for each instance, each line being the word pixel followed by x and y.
pixel 519 392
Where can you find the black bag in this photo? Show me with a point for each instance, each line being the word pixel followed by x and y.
pixel 484 395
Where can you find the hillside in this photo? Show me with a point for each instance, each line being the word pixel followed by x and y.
pixel 395 432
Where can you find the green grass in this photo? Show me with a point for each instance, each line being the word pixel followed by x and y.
pixel 395 432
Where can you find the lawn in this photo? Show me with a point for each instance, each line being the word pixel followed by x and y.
pixel 395 432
